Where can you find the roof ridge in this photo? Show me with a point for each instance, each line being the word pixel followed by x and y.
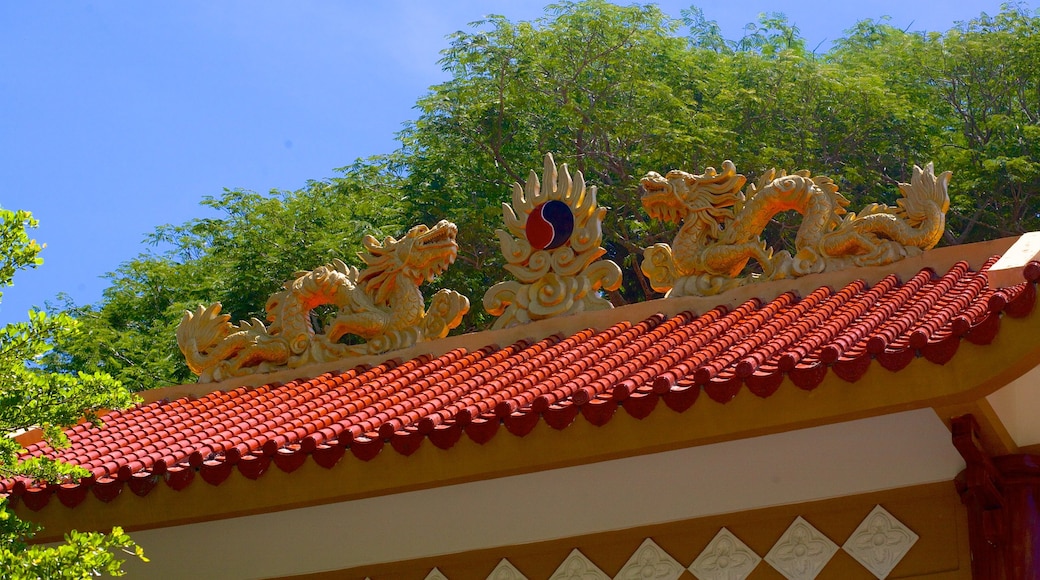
pixel 977 255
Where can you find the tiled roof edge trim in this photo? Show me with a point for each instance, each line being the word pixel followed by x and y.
pixel 639 398
pixel 938 259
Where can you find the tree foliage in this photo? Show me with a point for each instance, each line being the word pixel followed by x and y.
pixel 239 257
pixel 615 91
pixel 32 397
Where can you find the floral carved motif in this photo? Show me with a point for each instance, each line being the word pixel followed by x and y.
pixel 382 304
pixel 725 558
pixel 506 571
pixel 578 567
pixel 552 246
pixel 880 542
pixel 801 552
pixel 721 227
pixel 650 562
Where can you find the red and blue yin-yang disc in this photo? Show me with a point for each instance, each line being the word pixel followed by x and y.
pixel 550 225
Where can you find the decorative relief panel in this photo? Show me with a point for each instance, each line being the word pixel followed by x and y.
pixel 801 552
pixel 506 571
pixel 381 304
pixel 553 249
pixel 721 227
pixel 578 567
pixel 650 562
pixel 725 558
pixel 880 542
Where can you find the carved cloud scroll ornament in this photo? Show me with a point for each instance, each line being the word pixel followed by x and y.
pixel 553 249
pixel 721 227
pixel 381 304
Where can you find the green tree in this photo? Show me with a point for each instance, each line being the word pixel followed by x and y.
pixel 973 91
pixel 988 73
pixel 617 92
pixel 239 257
pixel 610 89
pixel 31 397
pixel 614 91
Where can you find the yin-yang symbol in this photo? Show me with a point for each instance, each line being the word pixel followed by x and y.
pixel 550 225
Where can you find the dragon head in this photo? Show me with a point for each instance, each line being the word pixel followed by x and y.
pixel 673 197
pixel 420 255
pixel 661 195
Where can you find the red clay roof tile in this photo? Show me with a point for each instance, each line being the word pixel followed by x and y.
pixel 591 373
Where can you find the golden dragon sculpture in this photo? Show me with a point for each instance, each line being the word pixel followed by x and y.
pixel 382 304
pixel 721 227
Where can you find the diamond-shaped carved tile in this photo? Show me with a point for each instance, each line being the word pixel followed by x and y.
pixel 435 574
pixel 506 571
pixel 577 566
pixel 880 542
pixel 650 562
pixel 801 552
pixel 725 558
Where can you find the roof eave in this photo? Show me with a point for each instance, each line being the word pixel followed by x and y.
pixel 960 384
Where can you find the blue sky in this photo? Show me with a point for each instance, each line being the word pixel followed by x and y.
pixel 116 117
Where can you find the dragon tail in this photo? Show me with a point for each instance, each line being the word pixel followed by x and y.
pixel 924 194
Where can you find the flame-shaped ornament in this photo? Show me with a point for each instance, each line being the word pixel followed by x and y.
pixel 553 249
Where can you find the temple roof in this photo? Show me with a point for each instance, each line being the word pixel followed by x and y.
pixel 491 385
